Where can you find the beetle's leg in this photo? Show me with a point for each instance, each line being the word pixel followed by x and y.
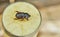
pixel 22 19
pixel 15 19
pixel 26 18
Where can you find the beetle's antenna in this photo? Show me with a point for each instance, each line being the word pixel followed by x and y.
pixel 17 11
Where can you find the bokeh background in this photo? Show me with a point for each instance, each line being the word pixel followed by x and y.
pixel 50 12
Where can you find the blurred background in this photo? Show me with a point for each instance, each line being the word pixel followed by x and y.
pixel 50 12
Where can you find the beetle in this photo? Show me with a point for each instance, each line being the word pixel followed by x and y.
pixel 22 15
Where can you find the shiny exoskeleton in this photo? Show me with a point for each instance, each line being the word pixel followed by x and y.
pixel 22 15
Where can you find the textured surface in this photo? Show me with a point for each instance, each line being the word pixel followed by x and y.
pixel 21 28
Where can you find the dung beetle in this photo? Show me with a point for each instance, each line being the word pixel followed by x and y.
pixel 22 15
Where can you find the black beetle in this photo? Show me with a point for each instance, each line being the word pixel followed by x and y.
pixel 22 15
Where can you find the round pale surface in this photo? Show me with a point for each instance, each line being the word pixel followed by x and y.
pixel 17 27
